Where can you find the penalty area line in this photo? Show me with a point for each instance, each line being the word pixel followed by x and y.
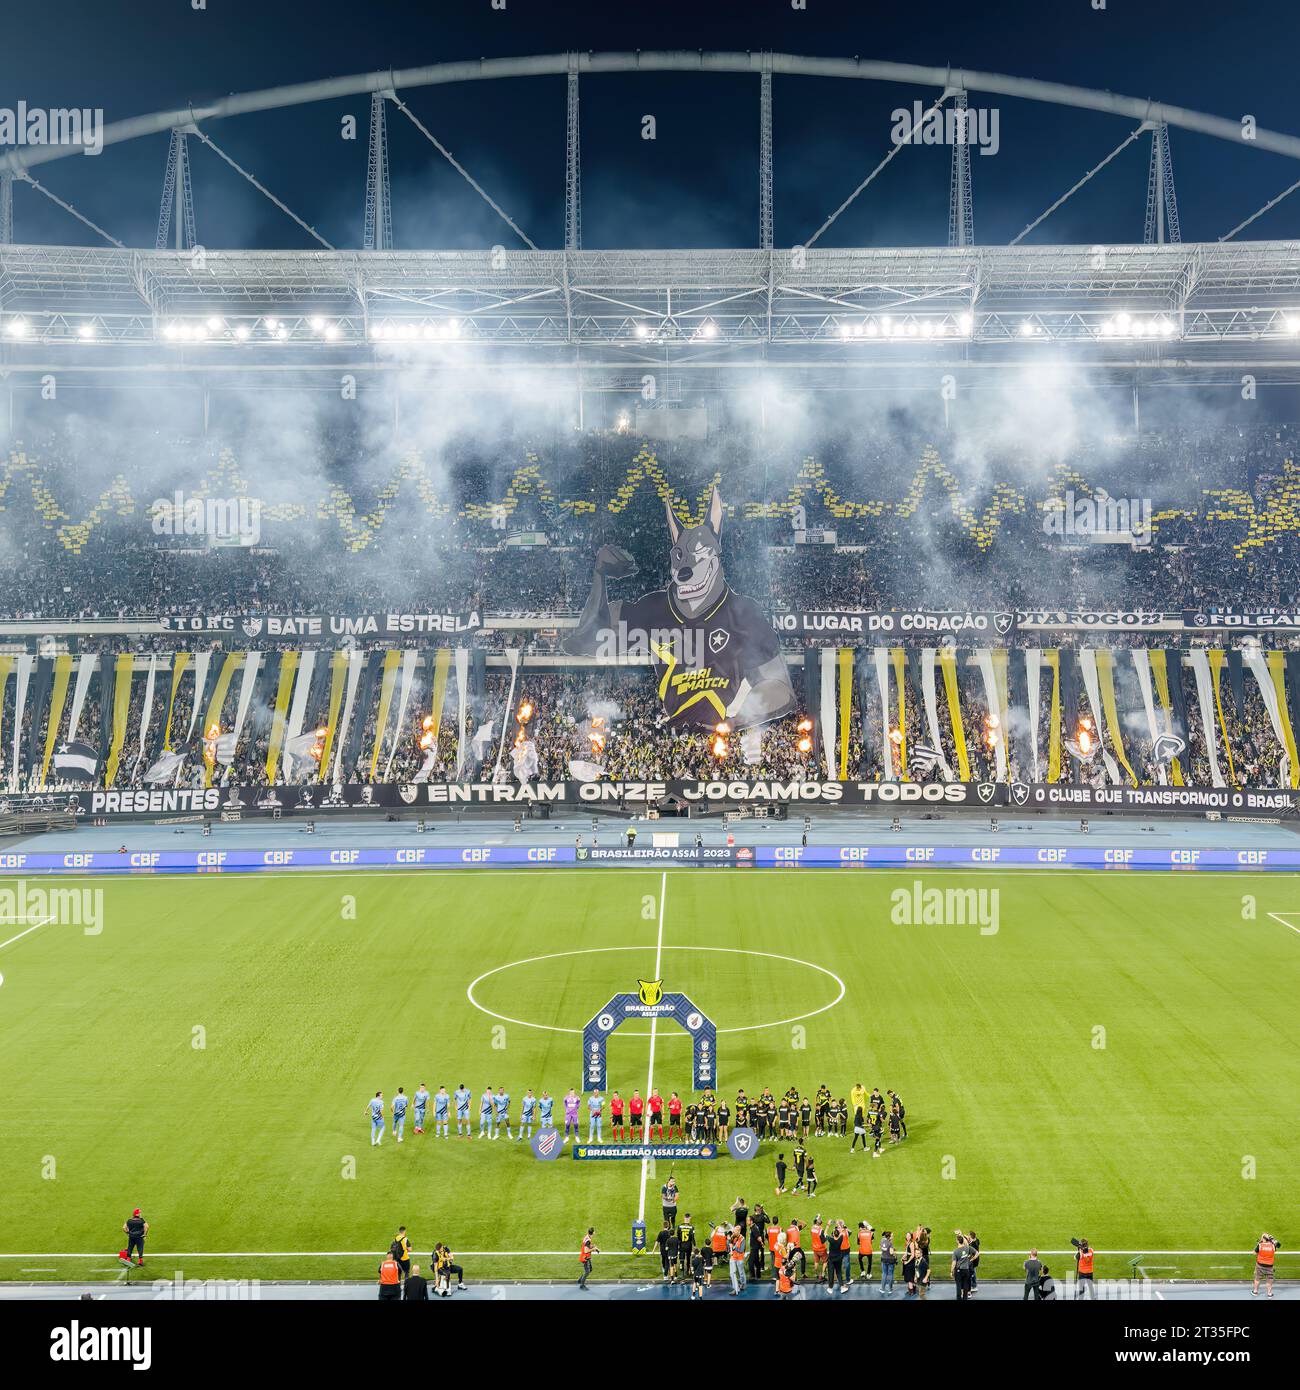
pixel 1282 916
pixel 44 922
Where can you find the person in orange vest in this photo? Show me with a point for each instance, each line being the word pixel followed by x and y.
pixel 390 1280
pixel 818 1249
pixel 841 1244
pixel 718 1248
pixel 865 1234
pixel 774 1235
pixel 794 1242
pixel 784 1281
pixel 589 1248
pixel 1266 1249
pixel 736 1261
pixel 1083 1253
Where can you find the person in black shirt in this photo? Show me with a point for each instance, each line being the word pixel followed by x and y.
pixel 800 1164
pixel 757 1249
pixel 723 1119
pixel 673 1246
pixel 805 1117
pixel 740 1216
pixel 699 1274
pixel 136 1228
pixel 686 1242
pixel 662 1241
pixel 902 1111
pixel 417 1287
pixel 780 1174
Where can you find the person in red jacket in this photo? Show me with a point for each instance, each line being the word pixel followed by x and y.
pixel 616 1116
pixel 635 1115
pixel 656 1114
pixel 674 1115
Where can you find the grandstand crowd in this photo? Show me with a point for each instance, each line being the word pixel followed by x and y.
pixel 354 528
pixel 346 529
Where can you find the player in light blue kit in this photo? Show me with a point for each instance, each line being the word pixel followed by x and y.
pixel 376 1109
pixel 400 1101
pixel 463 1098
pixel 546 1107
pixel 502 1103
pixel 441 1107
pixel 485 1113
pixel 526 1115
pixel 421 1099
pixel 595 1109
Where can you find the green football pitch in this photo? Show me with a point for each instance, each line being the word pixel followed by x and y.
pixel 1119 1060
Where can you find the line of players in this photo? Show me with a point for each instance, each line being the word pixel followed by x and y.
pixel 708 1120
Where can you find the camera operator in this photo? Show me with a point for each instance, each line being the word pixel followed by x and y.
pixel 1083 1258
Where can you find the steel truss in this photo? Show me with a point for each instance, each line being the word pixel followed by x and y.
pixel 1170 300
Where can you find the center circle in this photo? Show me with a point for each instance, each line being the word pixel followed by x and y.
pixel 649 950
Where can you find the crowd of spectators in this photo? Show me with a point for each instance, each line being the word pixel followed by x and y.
pixel 355 528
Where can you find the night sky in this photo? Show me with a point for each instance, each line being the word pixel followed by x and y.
pixel 696 184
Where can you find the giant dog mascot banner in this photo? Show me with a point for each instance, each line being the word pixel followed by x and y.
pixel 716 657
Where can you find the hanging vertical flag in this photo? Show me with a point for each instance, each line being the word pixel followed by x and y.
pixel 62 673
pixel 212 719
pixel 1205 700
pixel 898 657
pixel 298 706
pixel 1217 662
pixel 409 658
pixel 338 679
pixel 1033 694
pixel 179 663
pixel 356 665
pixel 845 664
pixel 87 664
pixel 512 655
pixel 880 658
pixel 1142 666
pixel 995 735
pixel 202 662
pixel 462 683
pixel 6 665
pixel 1259 667
pixel 23 666
pixel 247 685
pixel 1106 679
pixel 930 698
pixel 280 713
pixel 147 707
pixel 387 684
pixel 1052 656
pixel 948 665
pixel 1169 691
pixel 1088 667
pixel 1277 676
pixel 124 667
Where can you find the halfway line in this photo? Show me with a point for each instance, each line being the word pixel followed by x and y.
pixel 654 1025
